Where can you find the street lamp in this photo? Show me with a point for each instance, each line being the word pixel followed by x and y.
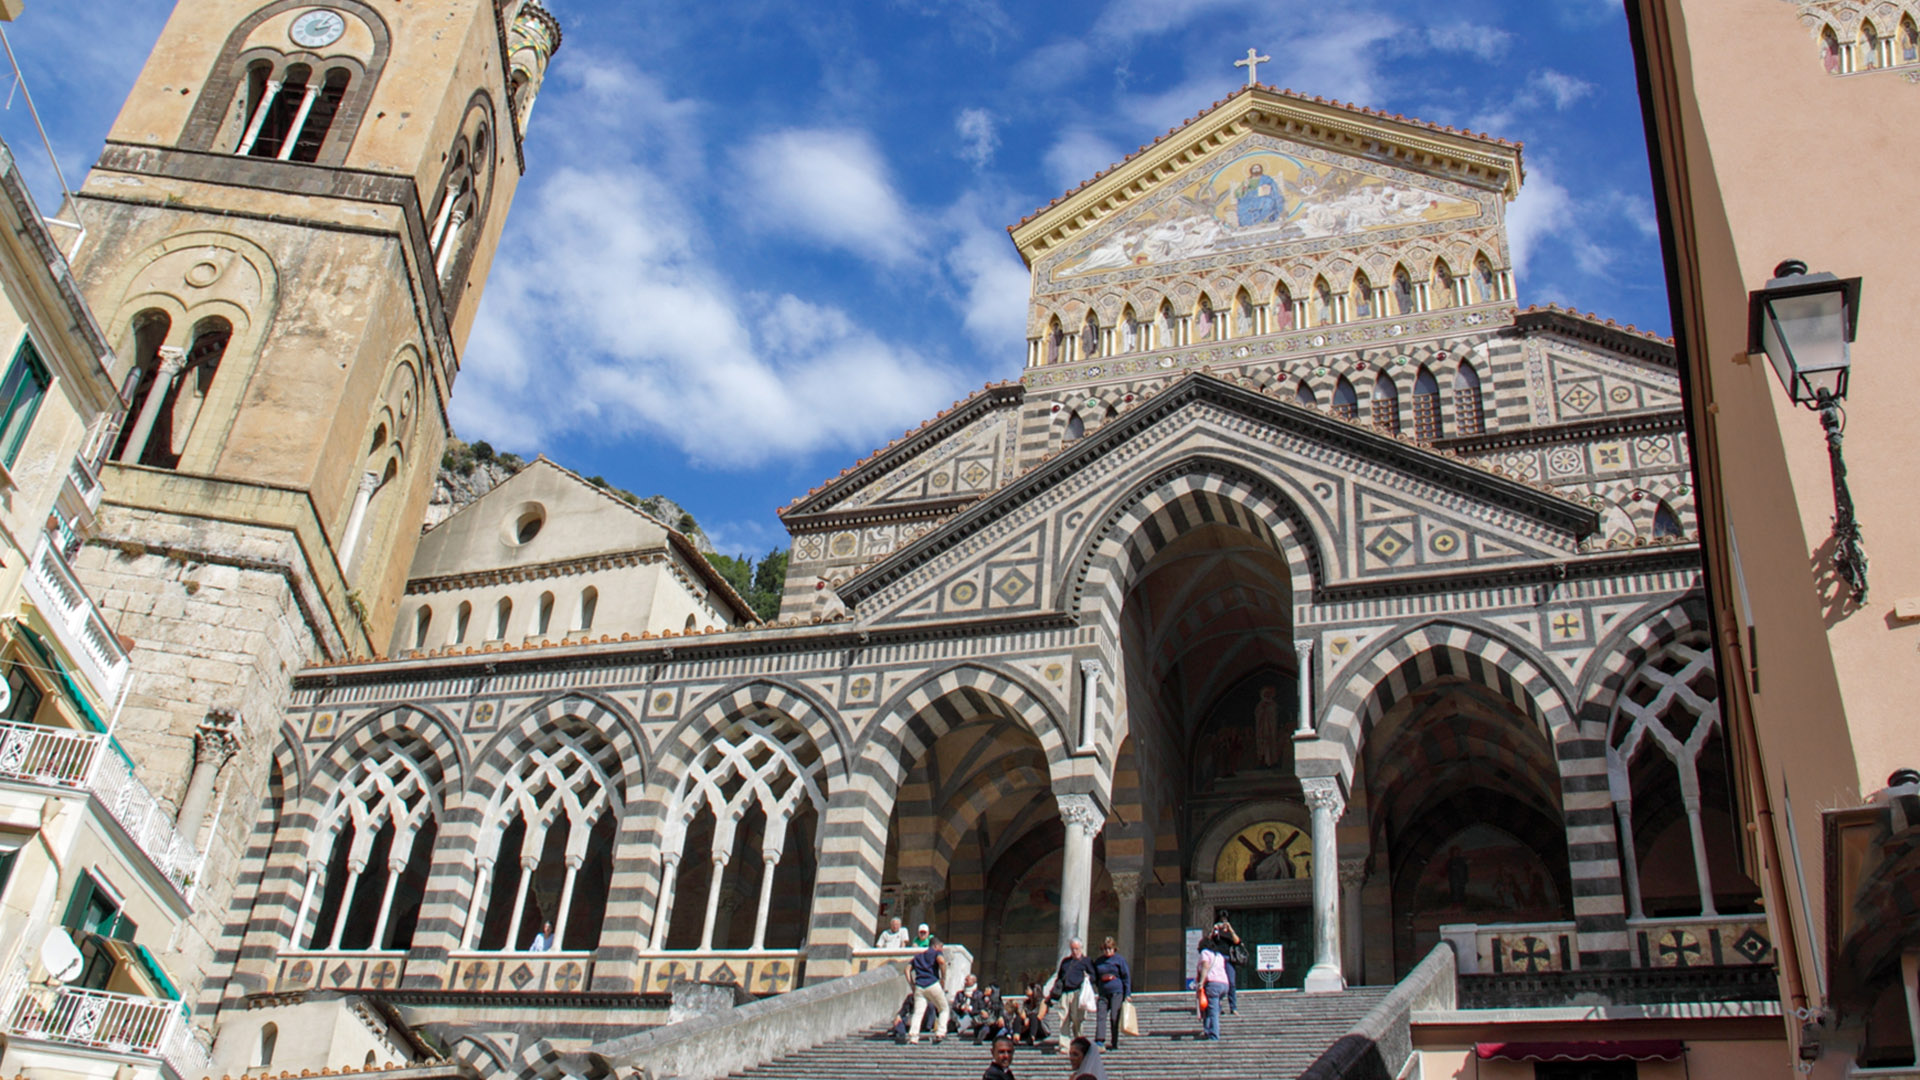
pixel 1803 323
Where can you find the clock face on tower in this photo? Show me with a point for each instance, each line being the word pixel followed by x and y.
pixel 318 28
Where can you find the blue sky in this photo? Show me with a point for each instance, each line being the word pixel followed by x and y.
pixel 757 239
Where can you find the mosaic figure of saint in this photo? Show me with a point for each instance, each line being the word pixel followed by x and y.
pixel 1256 200
pixel 1267 736
pixel 1269 862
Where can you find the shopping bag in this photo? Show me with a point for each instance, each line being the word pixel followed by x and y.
pixel 1088 1000
pixel 1202 997
pixel 1129 1019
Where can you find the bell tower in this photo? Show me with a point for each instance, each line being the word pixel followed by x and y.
pixel 288 232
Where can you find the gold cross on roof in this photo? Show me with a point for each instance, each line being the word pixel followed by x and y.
pixel 1252 64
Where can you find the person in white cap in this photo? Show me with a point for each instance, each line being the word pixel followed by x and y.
pixel 923 936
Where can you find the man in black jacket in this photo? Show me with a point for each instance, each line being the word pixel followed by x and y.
pixel 1002 1067
pixel 1075 969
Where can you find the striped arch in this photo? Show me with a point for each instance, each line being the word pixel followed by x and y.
pixel 1373 684
pixel 821 723
pixel 622 756
pixel 375 732
pixel 1621 653
pixel 853 850
pixel 958 814
pixel 1193 493
pixel 1393 670
pixel 915 718
pixel 264 904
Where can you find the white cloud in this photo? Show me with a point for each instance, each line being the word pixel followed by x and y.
pixel 1560 88
pixel 1485 42
pixel 1544 209
pixel 1076 156
pixel 604 313
pixel 994 284
pixel 978 136
pixel 830 186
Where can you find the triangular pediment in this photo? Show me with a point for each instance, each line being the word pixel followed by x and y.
pixel 1381 511
pixel 1327 171
pixel 1264 196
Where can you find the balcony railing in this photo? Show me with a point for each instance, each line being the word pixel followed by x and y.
pixel 99 1020
pixel 83 633
pixel 89 761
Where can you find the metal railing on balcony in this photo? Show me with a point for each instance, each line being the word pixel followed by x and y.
pixel 101 1020
pixel 90 761
pixel 82 631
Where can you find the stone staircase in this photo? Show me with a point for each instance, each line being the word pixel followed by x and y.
pixel 1277 1034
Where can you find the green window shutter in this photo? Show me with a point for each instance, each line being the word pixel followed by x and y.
pixel 77 905
pixel 20 393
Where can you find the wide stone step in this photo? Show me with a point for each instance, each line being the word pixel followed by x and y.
pixel 1277 1033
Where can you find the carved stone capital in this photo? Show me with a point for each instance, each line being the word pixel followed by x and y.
pixel 1303 649
pixel 1353 873
pixel 1323 793
pixel 1126 885
pixel 1090 669
pixel 1083 813
pixel 172 359
pixel 369 481
pixel 216 739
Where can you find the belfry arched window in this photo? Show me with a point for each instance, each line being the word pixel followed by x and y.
pixel 173 388
pixel 1467 417
pixel 263 101
pixel 460 202
pixel 756 785
pixel 374 845
pixel 1426 406
pixel 556 817
pixel 589 600
pixel 1385 405
pixel 422 622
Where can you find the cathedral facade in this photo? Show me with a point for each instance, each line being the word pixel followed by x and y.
pixel 1301 576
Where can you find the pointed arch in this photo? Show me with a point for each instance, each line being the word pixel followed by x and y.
pixel 1832 56
pixel 1468 419
pixel 1303 394
pixel 1246 321
pixel 1089 343
pixel 1426 406
pixel 1346 403
pixel 1666 524
pixel 1166 330
pixel 1445 287
pixel 1909 41
pixel 1325 312
pixel 368 853
pixel 1283 310
pixel 1207 320
pixel 1384 405
pixel 1056 341
pixel 1403 296
pixel 1362 302
pixel 913 718
pixel 1135 335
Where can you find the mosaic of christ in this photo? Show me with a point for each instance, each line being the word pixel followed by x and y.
pixel 1262 197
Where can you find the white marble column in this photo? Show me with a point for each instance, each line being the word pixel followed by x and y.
pixel 769 861
pixel 1126 887
pixel 1704 879
pixel 395 867
pixel 713 898
pixel 528 864
pixel 259 120
pixel 1353 876
pixel 574 862
pixel 354 869
pixel 454 222
pixel 172 359
pixel 299 120
pixel 215 741
pixel 482 882
pixel 1629 856
pixel 350 540
pixel 1084 820
pixel 1089 705
pixel 663 902
pixel 295 941
pixel 1303 652
pixel 1323 796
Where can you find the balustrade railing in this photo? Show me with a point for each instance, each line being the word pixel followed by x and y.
pixel 71 613
pixel 89 761
pixel 101 1020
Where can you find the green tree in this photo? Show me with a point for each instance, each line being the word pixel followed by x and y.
pixel 759 584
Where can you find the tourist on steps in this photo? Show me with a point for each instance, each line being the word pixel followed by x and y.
pixel 966 1006
pixel 1035 1008
pixel 1083 1060
pixel 1075 969
pixel 1211 977
pixel 991 1020
pixel 929 971
pixel 893 937
pixel 1227 944
pixel 1002 1065
pixel 1113 981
